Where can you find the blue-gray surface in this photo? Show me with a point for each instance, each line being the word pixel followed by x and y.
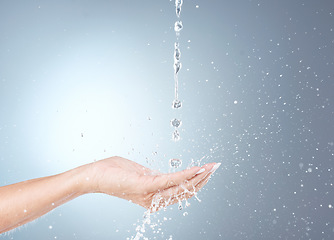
pixel 85 80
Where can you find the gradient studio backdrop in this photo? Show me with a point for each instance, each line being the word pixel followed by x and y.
pixel 85 80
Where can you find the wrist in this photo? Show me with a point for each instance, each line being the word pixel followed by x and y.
pixel 81 179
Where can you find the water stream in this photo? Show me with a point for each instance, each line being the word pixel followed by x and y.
pixel 177 104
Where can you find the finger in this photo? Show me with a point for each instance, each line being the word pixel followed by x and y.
pixel 202 183
pixel 186 194
pixel 165 181
pixel 195 183
pixel 203 171
pixel 179 193
pixel 208 175
pixel 205 180
pixel 209 169
pixel 187 188
pixel 184 191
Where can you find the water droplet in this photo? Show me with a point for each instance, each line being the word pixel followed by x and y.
pixel 178 11
pixel 178 4
pixel 177 67
pixel 177 103
pixel 176 136
pixel 301 165
pixel 175 163
pixel 177 55
pixel 176 123
pixel 178 26
pixel 180 205
pixel 195 194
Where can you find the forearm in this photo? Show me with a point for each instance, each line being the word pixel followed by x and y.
pixel 116 176
pixel 25 201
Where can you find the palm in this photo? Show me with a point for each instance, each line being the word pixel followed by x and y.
pixel 131 181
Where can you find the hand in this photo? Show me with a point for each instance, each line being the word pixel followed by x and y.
pixel 125 179
pixel 28 200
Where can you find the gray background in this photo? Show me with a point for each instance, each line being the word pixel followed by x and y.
pixel 85 80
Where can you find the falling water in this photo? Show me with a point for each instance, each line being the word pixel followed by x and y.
pixel 176 123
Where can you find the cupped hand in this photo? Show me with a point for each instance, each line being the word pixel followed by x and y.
pixel 126 179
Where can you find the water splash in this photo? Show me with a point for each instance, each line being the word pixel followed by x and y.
pixel 141 228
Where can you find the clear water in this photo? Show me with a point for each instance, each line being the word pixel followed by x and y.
pixel 178 26
pixel 177 53
pixel 176 135
pixel 177 68
pixel 176 103
pixel 175 163
pixel 81 81
pixel 178 5
pixel 176 123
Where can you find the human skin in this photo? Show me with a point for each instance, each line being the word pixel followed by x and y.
pixel 23 202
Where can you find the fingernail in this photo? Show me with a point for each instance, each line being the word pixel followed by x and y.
pixel 200 171
pixel 215 167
